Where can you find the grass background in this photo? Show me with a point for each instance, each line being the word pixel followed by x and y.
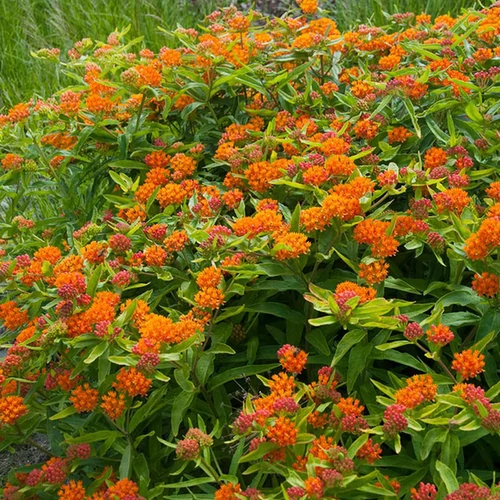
pixel 28 25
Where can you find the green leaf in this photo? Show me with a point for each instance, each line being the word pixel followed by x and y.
pixel 317 339
pixel 262 450
pixel 181 404
pixel 97 351
pixel 413 116
pixel 348 340
pixel 239 372
pixel 70 410
pixel 295 220
pixel 190 482
pixel 392 345
pixel 126 462
pixel 94 437
pixel 277 309
pixel 447 476
pixel 94 280
pixel 431 438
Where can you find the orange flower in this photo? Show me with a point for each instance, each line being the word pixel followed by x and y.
pixel 340 205
pixel 373 232
pixel 334 146
pixel 314 487
pixel 228 492
pixel 486 284
pixel 282 385
pixel 210 277
pixel 440 335
pixel 211 298
pixel 72 491
pixel 132 382
pixel 12 161
pixel 182 165
pixel 361 89
pixel 11 409
pixel 365 293
pixel 375 272
pixel 340 165
pixel 419 389
pixel 155 256
pixel 295 244
pixel 317 420
pixel 314 219
pixel 261 173
pixel 125 488
pixel 350 406
pixel 292 359
pixel 283 432
pixel 308 6
pixel 265 221
pixel 399 134
pixel 315 176
pixel 369 452
pixel 366 129
pixel 84 398
pixel 176 241
pixel 113 404
pixel 493 191
pixel 453 200
pixel 435 157
pixel 12 315
pixel 148 75
pixel 468 363
pixel 95 252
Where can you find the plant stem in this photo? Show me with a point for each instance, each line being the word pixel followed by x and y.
pixel 32 442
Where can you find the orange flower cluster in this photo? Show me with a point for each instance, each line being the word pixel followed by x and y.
pixel 292 360
pixel 12 316
pixel 419 389
pixel 484 241
pixel 434 158
pixel 440 335
pixel 486 284
pixel 453 200
pixel 228 492
pixel 374 272
pixel 132 382
pixel 374 233
pixel 291 245
pixel 11 409
pixel 113 404
pixel 84 398
pixel 468 363
pixel 283 432
pixel 209 296
pixel 365 293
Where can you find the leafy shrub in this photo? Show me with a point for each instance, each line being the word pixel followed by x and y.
pixel 271 192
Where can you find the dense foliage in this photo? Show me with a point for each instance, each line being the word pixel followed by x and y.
pixel 262 264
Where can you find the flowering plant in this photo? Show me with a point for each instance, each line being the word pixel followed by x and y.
pixel 174 220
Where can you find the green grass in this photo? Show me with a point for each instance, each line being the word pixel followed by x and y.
pixel 349 12
pixel 29 25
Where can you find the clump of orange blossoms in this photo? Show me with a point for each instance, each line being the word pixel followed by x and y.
pixel 84 398
pixel 419 389
pixel 11 409
pixel 468 363
pixel 292 359
pixel 440 335
pixel 486 284
pixel 132 382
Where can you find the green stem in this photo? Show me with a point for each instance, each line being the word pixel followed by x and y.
pixel 210 469
pixel 32 442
